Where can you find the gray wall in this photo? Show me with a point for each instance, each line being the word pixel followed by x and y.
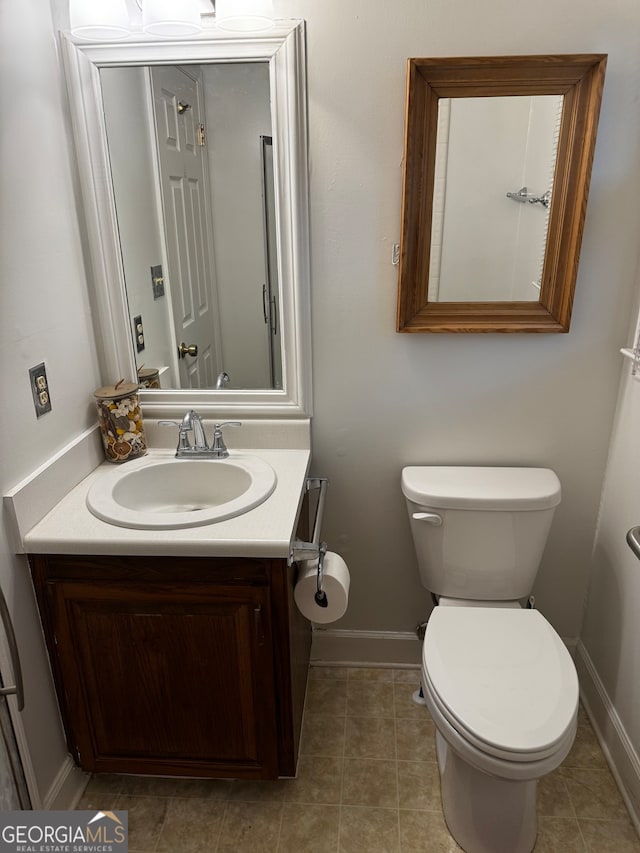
pixel 384 400
pixel 610 643
pixel 44 316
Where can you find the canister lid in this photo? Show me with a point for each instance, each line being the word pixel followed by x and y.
pixel 482 488
pixel 148 373
pixel 116 392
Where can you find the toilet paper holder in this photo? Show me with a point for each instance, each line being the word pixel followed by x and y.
pixel 315 549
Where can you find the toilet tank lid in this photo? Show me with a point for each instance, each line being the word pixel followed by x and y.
pixel 481 488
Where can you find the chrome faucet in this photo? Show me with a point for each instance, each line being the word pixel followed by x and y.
pixel 192 422
pixel 221 381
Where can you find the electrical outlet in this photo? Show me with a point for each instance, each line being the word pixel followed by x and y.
pixel 40 389
pixel 138 333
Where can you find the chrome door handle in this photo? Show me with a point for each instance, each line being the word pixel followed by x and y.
pixel 187 349
pixel 18 687
pixel 429 517
pixel 633 540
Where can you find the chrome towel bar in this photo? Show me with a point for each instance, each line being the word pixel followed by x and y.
pixel 17 688
pixel 315 549
pixel 633 540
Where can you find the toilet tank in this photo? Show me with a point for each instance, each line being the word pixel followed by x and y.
pixel 479 533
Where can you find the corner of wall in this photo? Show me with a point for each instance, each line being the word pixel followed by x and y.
pixel 617 747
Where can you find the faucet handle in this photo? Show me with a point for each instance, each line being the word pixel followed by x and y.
pixel 218 447
pixel 183 438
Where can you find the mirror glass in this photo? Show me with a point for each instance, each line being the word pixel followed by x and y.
pixel 190 151
pixel 193 167
pixel 493 183
pixel 498 155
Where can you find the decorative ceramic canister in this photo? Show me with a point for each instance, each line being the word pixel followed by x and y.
pixel 149 377
pixel 121 421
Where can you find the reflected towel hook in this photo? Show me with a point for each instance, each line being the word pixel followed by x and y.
pixel 523 196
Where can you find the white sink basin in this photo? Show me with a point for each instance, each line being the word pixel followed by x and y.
pixel 166 494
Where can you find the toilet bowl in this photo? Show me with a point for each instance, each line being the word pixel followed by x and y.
pixel 497 679
pixel 503 693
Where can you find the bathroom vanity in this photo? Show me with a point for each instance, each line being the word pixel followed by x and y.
pixel 189 666
pixel 177 651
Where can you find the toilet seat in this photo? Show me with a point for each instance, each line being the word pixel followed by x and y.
pixel 503 680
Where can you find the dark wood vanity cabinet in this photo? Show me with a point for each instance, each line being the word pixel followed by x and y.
pixel 185 666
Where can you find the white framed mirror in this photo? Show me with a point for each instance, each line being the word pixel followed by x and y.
pixel 134 269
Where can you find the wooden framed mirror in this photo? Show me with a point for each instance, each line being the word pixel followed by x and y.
pixel 476 129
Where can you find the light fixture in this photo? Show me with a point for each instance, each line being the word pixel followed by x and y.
pixel 99 21
pixel 108 20
pixel 169 18
pixel 244 16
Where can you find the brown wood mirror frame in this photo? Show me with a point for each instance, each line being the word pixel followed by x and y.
pixel 580 79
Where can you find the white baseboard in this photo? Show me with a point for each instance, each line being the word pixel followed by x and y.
pixel 67 787
pixel 401 648
pixel 331 645
pixel 614 740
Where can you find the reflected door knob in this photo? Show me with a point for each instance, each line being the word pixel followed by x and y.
pixel 187 349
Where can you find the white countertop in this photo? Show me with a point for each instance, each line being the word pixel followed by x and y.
pixel 265 531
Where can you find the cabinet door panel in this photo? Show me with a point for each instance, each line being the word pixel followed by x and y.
pixel 171 675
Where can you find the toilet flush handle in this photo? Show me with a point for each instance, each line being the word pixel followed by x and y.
pixel 429 517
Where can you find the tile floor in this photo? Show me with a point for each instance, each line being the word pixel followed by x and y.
pixel 367 783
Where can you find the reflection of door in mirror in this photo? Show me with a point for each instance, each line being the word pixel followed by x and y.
pixel 189 184
pixel 484 245
pixel 182 170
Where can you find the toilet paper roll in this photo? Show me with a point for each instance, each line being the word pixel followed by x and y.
pixel 335 583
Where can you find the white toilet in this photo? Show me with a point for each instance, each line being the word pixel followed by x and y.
pixel 497 679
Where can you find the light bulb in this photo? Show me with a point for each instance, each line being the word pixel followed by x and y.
pixel 171 18
pixel 99 20
pixel 244 16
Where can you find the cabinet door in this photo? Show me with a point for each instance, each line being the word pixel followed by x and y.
pixel 175 679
